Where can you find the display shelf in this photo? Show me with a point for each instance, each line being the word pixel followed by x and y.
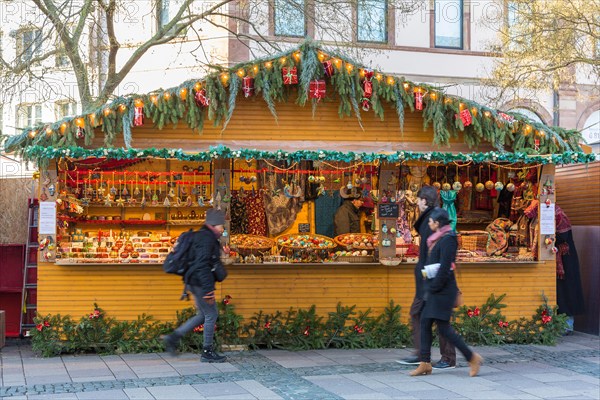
pixel 112 221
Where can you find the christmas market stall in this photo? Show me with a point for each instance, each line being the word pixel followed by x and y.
pixel 279 143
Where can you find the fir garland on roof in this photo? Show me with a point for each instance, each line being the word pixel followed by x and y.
pixel 41 153
pixel 179 104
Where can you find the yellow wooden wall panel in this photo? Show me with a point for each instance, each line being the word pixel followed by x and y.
pixel 127 291
pixel 578 192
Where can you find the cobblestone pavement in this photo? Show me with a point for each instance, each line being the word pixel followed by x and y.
pixel 569 370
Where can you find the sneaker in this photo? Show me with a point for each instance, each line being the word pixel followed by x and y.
pixel 208 355
pixel 443 365
pixel 414 360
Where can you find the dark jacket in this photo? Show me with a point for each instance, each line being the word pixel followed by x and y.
pixel 206 251
pixel 422 226
pixel 441 291
pixel 346 219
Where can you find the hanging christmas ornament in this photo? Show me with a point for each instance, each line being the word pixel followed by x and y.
pixel 498 186
pixel 201 99
pixel 468 185
pixel 480 187
pixel 317 89
pixel 419 99
pixel 290 75
pixel 138 116
pixel 506 117
pixel 510 187
pixel 248 86
pixel 446 186
pixel 489 185
pixel 80 133
pixel 367 90
pixel 457 186
pixel 465 117
pixel 536 144
pixel 328 68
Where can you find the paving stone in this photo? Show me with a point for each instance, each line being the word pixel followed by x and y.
pixel 175 392
pixel 138 394
pixel 221 389
pixel 102 394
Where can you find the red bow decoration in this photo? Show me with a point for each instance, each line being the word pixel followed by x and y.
pixel 268 325
pixel 306 331
pixel 199 328
pixel 39 327
pixel 503 324
pixel 227 299
pixel 546 319
pixel 358 329
pixel 368 74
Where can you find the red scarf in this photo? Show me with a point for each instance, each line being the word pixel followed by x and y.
pixel 437 235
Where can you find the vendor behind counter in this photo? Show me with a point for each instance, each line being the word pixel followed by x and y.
pixel 347 217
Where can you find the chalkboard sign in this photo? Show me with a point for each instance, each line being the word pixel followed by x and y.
pixel 387 210
pixel 303 228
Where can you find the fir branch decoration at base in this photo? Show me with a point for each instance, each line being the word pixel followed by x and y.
pixel 299 329
pixel 172 105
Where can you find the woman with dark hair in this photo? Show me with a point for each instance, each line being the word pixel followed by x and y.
pixel 440 293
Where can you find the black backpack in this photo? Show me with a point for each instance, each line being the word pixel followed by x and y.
pixel 177 260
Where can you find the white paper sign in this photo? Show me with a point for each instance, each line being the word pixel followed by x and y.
pixel 47 221
pixel 547 219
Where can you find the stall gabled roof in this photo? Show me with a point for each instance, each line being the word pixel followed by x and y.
pixel 214 97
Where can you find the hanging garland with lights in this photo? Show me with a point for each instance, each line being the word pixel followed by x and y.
pixel 308 68
pixel 44 154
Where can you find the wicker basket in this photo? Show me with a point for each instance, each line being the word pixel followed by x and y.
pixel 360 236
pixel 327 244
pixel 354 259
pixel 473 240
pixel 239 243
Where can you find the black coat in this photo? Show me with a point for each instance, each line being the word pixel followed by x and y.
pixel 422 226
pixel 206 251
pixel 347 219
pixel 441 291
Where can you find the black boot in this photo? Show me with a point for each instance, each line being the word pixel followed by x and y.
pixel 208 355
pixel 171 342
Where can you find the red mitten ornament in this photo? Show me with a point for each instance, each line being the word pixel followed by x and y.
pixel 317 89
pixel 248 86
pixel 367 90
pixel 201 99
pixel 138 116
pixel 508 118
pixel 328 67
pixel 290 75
pixel 80 133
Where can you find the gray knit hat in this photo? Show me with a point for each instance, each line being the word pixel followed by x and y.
pixel 215 217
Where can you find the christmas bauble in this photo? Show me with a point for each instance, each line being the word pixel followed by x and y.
pixel 468 185
pixel 499 185
pixel 446 186
pixel 311 178
pixel 437 185
pixel 457 186
pixel 480 187
pixel 489 185
pixel 510 187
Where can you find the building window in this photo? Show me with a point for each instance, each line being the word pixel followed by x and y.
pixel 65 109
pixel 289 18
pixel 61 59
pixel 29 44
pixel 448 24
pixel 591 129
pixel 166 11
pixel 28 115
pixel 371 21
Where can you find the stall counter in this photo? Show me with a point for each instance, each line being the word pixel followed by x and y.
pixel 128 290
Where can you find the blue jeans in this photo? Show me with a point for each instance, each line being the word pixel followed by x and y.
pixel 206 314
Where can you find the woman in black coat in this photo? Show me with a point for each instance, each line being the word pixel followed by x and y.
pixel 440 293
